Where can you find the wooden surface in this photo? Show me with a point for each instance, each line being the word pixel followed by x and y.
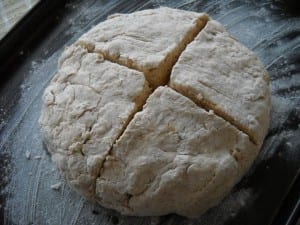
pixel 11 11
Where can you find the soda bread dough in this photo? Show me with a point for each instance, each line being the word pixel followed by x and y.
pixel 88 104
pixel 173 157
pixel 129 133
pixel 149 41
pixel 219 73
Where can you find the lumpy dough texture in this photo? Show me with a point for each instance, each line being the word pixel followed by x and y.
pixel 173 157
pixel 134 136
pixel 221 74
pixel 86 107
pixel 149 40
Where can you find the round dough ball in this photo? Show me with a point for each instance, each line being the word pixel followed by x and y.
pixel 156 112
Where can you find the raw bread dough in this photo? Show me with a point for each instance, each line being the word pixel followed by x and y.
pixel 149 40
pixel 173 157
pixel 153 151
pixel 221 74
pixel 86 107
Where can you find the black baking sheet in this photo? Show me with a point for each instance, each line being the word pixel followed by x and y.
pixel 28 61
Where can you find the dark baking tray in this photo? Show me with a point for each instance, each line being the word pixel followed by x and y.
pixel 268 194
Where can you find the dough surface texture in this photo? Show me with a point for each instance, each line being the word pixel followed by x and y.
pixel 173 157
pixel 87 105
pixel 155 112
pixel 217 71
pixel 149 40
